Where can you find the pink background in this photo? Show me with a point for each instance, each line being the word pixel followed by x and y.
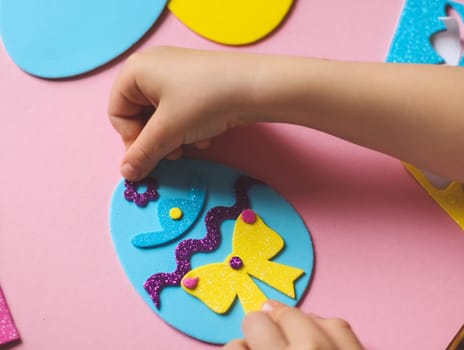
pixel 388 259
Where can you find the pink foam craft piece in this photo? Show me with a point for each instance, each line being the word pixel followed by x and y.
pixel 190 283
pixel 8 331
pixel 248 216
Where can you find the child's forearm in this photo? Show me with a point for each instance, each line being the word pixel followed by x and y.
pixel 412 112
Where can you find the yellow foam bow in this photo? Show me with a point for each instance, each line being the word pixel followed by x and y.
pixel 253 245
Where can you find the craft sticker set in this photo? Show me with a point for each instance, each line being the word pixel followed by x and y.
pixel 204 244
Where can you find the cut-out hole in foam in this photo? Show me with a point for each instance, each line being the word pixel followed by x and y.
pixel 448 43
pixel 142 189
pixel 451 12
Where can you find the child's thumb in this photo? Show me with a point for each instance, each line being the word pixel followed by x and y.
pixel 153 144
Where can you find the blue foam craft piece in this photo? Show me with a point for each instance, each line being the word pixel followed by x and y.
pixel 64 38
pixel 179 309
pixel 419 21
pixel 1 2
pixel 173 228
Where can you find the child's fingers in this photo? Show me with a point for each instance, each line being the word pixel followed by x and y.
pixel 237 344
pixel 203 144
pixel 128 128
pixel 261 333
pixel 176 154
pixel 339 331
pixel 129 107
pixel 154 142
pixel 300 329
pixel 127 98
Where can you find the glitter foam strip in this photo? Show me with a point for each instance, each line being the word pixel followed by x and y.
pixel 8 331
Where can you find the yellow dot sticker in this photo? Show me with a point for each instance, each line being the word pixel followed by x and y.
pixel 175 213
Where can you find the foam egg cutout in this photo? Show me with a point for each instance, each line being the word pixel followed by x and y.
pixel 225 196
pixel 64 38
pixel 231 22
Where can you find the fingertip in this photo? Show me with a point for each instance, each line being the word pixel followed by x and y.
pixel 138 161
pixel 270 306
pixel 261 332
pixel 130 173
pixel 154 142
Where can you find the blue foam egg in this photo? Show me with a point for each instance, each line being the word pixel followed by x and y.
pixel 178 308
pixel 64 38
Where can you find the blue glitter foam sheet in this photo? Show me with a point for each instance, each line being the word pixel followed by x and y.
pixel 419 21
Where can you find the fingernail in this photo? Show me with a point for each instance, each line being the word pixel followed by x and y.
pixel 271 305
pixel 129 172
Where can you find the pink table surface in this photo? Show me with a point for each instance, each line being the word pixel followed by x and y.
pixel 388 259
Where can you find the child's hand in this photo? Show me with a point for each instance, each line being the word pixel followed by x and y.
pixel 200 94
pixel 167 97
pixel 281 327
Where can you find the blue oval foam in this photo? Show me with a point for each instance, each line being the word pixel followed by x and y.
pixel 64 38
pixel 178 308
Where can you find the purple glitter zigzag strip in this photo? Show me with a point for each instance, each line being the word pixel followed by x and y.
pixel 185 249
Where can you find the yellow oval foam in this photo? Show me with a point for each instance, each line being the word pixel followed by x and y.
pixel 231 22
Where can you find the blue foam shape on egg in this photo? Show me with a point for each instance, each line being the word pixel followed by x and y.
pixel 171 229
pixel 418 22
pixel 64 38
pixel 179 309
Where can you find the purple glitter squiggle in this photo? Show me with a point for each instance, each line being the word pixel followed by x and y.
pixel 185 249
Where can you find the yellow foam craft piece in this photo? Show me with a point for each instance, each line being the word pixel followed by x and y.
pixel 231 22
pixel 217 285
pixel 450 199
